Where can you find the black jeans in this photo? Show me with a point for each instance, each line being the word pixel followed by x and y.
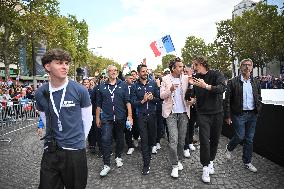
pixel 64 168
pixel 128 138
pixel 210 127
pixel 135 128
pixel 148 133
pixel 108 128
pixel 95 136
pixel 160 127
pixel 190 129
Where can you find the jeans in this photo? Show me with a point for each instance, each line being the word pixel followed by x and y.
pixel 244 126
pixel 210 127
pixel 177 126
pixel 148 134
pixel 109 128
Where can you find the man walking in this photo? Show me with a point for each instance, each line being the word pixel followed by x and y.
pixel 209 86
pixel 144 95
pixel 242 105
pixel 176 111
pixel 112 105
pixel 66 110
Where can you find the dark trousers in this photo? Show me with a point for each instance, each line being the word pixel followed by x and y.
pixel 190 129
pixel 128 138
pixel 108 129
pixel 95 136
pixel 148 134
pixel 64 168
pixel 135 128
pixel 160 127
pixel 210 127
pixel 244 126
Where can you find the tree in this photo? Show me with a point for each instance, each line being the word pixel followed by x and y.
pixel 166 60
pixel 255 35
pixel 10 29
pixel 193 46
pixel 224 44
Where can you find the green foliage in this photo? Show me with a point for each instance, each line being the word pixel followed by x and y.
pixel 166 60
pixel 193 46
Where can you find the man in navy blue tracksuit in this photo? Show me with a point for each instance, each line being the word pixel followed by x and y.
pixel 144 96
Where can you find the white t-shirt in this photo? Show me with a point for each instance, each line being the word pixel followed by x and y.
pixel 178 105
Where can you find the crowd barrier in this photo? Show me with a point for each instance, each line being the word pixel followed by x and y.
pixel 15 117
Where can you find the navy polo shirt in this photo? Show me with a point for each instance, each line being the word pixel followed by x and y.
pixel 138 90
pixel 104 100
pixel 76 97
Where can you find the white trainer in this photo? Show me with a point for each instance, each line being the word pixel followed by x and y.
pixel 174 173
pixel 211 168
pixel 228 154
pixel 135 143
pixel 191 147
pixel 180 166
pixel 250 167
pixel 130 151
pixel 158 145
pixel 186 153
pixel 119 162
pixel 105 171
pixel 205 175
pixel 154 150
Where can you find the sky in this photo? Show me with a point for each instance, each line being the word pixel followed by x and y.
pixel 124 29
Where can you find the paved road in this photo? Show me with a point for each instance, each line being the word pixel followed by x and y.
pixel 20 163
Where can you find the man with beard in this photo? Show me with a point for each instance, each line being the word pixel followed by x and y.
pixel 176 111
pixel 144 95
pixel 112 105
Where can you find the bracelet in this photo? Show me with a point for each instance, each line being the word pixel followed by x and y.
pixel 207 87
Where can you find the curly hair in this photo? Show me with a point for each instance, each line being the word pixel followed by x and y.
pixel 55 54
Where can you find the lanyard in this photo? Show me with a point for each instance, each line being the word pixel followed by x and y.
pixel 61 101
pixel 112 99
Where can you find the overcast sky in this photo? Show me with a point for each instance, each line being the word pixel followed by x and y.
pixel 125 28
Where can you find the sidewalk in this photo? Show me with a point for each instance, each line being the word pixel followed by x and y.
pixel 20 164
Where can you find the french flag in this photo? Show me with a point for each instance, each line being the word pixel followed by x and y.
pixel 162 46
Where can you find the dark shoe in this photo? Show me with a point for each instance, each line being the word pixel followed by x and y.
pixel 146 170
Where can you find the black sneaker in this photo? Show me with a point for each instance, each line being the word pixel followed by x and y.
pixel 146 170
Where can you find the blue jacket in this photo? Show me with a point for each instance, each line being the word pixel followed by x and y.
pixel 137 94
pixel 104 100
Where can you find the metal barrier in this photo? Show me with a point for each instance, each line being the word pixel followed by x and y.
pixel 15 117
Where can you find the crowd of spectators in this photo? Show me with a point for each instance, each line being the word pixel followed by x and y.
pixel 271 82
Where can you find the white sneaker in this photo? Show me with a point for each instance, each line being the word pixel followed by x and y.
pixel 191 147
pixel 130 151
pixel 250 167
pixel 119 162
pixel 105 171
pixel 180 166
pixel 211 168
pixel 205 175
pixel 158 145
pixel 228 154
pixel 174 173
pixel 135 143
pixel 186 153
pixel 154 149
